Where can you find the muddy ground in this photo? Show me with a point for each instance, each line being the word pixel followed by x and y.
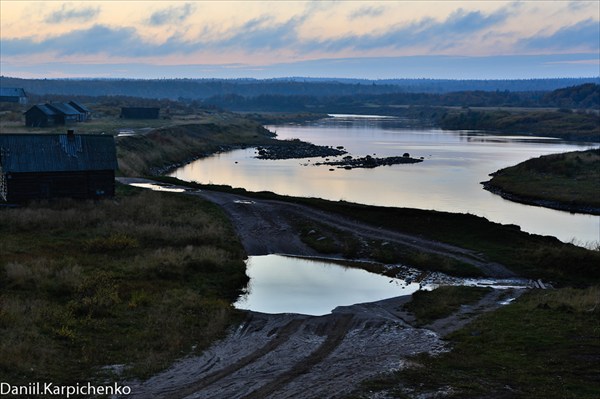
pixel 299 356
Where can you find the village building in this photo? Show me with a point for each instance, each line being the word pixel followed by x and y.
pixel 42 166
pixel 84 112
pixel 50 114
pixel 140 112
pixel 40 115
pixel 13 95
pixel 65 114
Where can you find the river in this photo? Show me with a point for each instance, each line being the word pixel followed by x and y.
pixel 455 162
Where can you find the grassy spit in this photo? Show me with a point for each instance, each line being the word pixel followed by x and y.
pixel 570 181
pixel 140 281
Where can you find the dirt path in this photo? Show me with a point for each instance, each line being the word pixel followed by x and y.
pixel 274 356
pixel 265 227
pixel 297 356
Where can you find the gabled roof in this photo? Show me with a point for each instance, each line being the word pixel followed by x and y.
pixel 79 107
pixel 44 108
pixel 12 92
pixel 63 108
pixel 21 153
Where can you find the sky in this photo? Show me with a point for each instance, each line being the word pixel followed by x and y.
pixel 266 39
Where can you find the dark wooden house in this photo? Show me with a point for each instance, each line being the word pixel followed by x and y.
pixel 65 114
pixel 41 115
pixel 84 112
pixel 13 95
pixel 140 112
pixel 50 114
pixel 40 166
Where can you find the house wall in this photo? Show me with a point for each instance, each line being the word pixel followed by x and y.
pixel 36 118
pixel 23 187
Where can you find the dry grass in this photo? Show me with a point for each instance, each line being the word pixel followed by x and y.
pixel 139 280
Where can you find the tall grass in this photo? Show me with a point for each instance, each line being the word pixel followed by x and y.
pixel 138 280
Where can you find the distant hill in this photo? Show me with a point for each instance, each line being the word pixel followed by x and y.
pixel 200 89
pixel 582 96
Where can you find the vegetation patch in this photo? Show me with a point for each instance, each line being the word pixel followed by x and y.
pixel 565 124
pixel 140 280
pixel 546 344
pixel 569 181
pixel 428 306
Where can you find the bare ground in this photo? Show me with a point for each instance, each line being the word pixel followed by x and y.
pixel 299 356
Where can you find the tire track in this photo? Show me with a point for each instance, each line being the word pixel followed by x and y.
pixel 339 329
pixel 282 336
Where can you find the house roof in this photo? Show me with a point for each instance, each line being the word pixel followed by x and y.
pixel 79 107
pixel 63 108
pixel 20 153
pixel 44 108
pixel 12 92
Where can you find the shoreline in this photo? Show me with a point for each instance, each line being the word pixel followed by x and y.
pixel 556 205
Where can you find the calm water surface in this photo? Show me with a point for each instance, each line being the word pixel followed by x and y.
pixel 448 180
pixel 284 284
pixel 281 284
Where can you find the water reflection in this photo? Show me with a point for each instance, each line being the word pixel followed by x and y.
pixel 285 284
pixel 448 180
pixel 281 284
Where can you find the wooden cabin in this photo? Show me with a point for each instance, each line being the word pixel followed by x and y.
pixel 40 115
pixel 42 166
pixel 84 112
pixel 13 95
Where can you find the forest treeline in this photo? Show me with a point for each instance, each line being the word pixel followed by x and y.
pixel 585 96
pixel 202 89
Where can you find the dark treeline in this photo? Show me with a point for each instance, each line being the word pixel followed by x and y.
pixel 585 96
pixel 201 89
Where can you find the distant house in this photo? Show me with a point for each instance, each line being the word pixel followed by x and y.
pixel 40 166
pixel 65 113
pixel 140 112
pixel 41 115
pixel 50 114
pixel 84 112
pixel 13 95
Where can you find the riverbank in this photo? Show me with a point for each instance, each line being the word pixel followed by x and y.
pixel 569 182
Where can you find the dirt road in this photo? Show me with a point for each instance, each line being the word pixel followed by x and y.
pixel 299 356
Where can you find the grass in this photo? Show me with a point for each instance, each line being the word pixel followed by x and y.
pixel 546 344
pixel 569 179
pixel 140 281
pixel 428 306
pixel 173 145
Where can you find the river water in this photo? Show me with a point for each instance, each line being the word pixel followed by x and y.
pixel 455 162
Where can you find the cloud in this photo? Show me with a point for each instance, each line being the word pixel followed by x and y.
pixel 172 15
pixel 96 40
pixel 69 13
pixel 425 32
pixel 366 12
pixel 584 34
pixel 263 33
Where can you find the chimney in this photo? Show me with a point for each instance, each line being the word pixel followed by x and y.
pixel 70 134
